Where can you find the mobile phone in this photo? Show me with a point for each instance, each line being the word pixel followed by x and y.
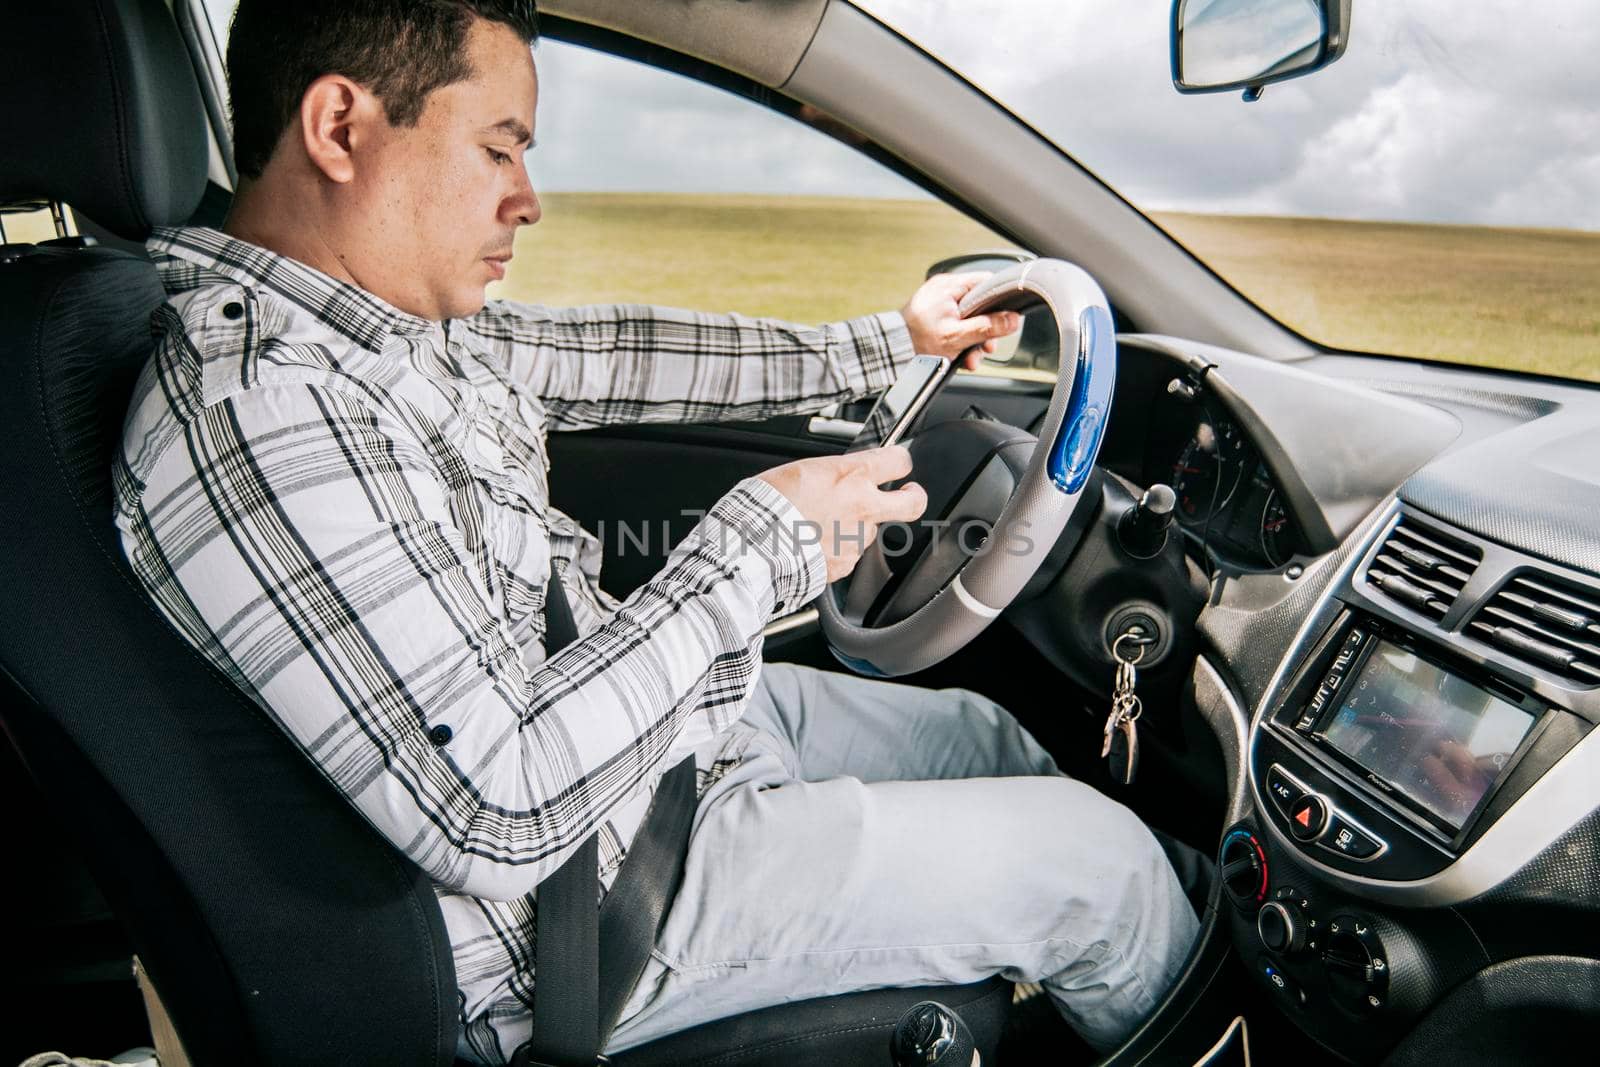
pixel 897 409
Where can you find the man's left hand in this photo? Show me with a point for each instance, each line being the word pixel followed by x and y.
pixel 936 325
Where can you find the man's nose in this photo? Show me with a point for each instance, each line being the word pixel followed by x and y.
pixel 522 208
pixel 525 210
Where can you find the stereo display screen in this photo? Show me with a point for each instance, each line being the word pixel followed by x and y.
pixel 1435 737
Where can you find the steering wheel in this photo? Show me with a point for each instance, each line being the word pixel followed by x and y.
pixel 997 502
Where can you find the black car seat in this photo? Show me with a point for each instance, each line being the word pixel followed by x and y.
pixel 278 927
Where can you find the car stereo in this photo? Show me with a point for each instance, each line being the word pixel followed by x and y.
pixel 1435 738
pixel 1388 751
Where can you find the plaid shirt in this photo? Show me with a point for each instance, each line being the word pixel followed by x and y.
pixel 345 507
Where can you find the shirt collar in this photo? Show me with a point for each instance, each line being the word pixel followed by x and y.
pixel 347 309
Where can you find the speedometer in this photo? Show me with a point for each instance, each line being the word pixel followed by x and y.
pixel 1208 472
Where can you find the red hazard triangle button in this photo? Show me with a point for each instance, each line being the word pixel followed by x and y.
pixel 1308 817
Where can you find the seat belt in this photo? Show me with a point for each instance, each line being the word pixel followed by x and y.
pixel 587 958
pixel 651 873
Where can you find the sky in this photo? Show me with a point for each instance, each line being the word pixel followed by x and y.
pixel 610 124
pixel 1440 111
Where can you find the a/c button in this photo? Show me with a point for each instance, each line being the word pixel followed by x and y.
pixel 1283 789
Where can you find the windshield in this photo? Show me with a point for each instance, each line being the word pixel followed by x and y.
pixel 1434 193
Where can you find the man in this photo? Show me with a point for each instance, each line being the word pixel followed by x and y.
pixel 333 482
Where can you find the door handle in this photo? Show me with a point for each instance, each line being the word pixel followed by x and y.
pixel 838 429
pixel 805 618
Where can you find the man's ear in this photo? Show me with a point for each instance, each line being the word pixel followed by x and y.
pixel 333 112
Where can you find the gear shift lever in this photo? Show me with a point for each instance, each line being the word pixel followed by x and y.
pixel 932 1035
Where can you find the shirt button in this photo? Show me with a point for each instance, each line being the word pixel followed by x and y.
pixel 232 310
pixel 441 734
pixel 778 607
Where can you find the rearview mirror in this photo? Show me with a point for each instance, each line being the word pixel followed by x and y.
pixel 1220 45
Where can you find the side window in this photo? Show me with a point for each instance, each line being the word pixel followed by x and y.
pixel 220 15
pixel 658 189
pixel 28 224
pixel 662 190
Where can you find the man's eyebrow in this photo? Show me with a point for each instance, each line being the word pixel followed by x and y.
pixel 513 127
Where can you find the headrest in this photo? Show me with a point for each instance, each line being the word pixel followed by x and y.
pixel 99 108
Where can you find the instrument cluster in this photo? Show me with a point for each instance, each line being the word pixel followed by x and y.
pixel 1228 503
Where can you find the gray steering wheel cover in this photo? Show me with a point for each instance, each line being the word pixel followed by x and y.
pixel 1035 516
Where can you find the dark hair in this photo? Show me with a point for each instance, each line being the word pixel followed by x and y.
pixel 401 50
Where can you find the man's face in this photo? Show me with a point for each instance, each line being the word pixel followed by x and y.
pixel 445 197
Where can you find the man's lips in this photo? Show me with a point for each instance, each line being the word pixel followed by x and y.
pixel 497 264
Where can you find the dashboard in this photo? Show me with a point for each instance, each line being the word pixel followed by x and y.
pixel 1386 614
pixel 1403 642
pixel 1399 656
pixel 1244 444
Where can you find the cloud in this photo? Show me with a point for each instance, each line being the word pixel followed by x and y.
pixel 1439 111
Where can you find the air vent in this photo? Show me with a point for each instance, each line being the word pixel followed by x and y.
pixel 1423 569
pixel 1545 621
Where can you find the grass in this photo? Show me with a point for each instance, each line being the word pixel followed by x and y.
pixel 809 259
pixel 1521 298
pixel 1517 298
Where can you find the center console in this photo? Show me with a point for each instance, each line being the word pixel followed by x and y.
pixel 1428 737
pixel 1387 753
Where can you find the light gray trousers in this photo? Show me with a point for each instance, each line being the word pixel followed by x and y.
pixel 880 835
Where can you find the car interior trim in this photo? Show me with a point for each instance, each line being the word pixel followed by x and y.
pixel 760 39
pixel 208 60
pixel 1229 722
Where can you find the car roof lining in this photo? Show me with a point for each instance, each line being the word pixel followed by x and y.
pixel 761 39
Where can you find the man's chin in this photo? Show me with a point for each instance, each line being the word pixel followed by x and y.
pixel 467 304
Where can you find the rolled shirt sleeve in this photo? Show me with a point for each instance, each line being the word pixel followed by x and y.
pixel 623 363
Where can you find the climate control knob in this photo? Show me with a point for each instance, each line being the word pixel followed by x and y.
pixel 1243 868
pixel 1281 928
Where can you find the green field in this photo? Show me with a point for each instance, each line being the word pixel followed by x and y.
pixel 1526 299
pixel 810 259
